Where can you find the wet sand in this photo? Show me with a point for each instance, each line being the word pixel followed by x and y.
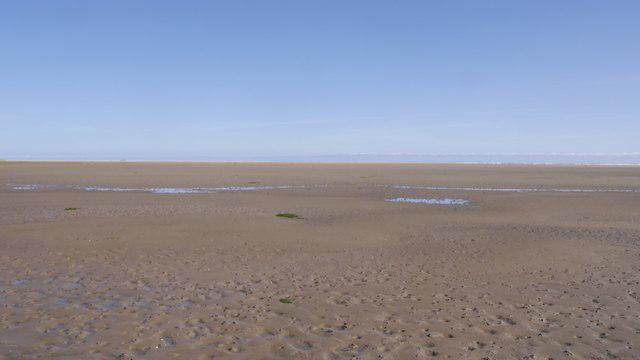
pixel 199 275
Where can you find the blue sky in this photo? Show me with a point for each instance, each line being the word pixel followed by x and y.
pixel 180 80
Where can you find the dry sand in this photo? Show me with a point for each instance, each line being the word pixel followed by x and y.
pixel 137 275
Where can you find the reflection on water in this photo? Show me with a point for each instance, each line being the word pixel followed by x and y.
pixel 517 190
pixel 444 201
pixel 154 190
pixel 181 190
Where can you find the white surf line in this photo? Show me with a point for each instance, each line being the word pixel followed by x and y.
pixel 444 201
pixel 517 190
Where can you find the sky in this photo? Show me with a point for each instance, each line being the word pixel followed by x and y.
pixel 257 79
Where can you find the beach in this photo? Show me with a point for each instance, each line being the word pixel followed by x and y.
pixel 160 260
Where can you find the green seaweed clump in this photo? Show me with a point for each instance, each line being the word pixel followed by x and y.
pixel 288 216
pixel 286 301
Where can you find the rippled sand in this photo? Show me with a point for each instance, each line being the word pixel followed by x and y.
pixel 199 275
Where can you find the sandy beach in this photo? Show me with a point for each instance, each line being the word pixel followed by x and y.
pixel 384 261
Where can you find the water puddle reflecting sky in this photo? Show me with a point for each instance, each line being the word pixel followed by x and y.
pixel 516 190
pixel 154 190
pixel 443 201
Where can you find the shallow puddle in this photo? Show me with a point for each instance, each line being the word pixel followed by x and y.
pixel 62 302
pixel 444 201
pixel 517 190
pixel 154 190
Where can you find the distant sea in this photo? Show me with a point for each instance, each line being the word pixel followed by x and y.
pixel 550 159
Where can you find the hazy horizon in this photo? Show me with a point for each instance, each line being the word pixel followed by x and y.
pixel 552 159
